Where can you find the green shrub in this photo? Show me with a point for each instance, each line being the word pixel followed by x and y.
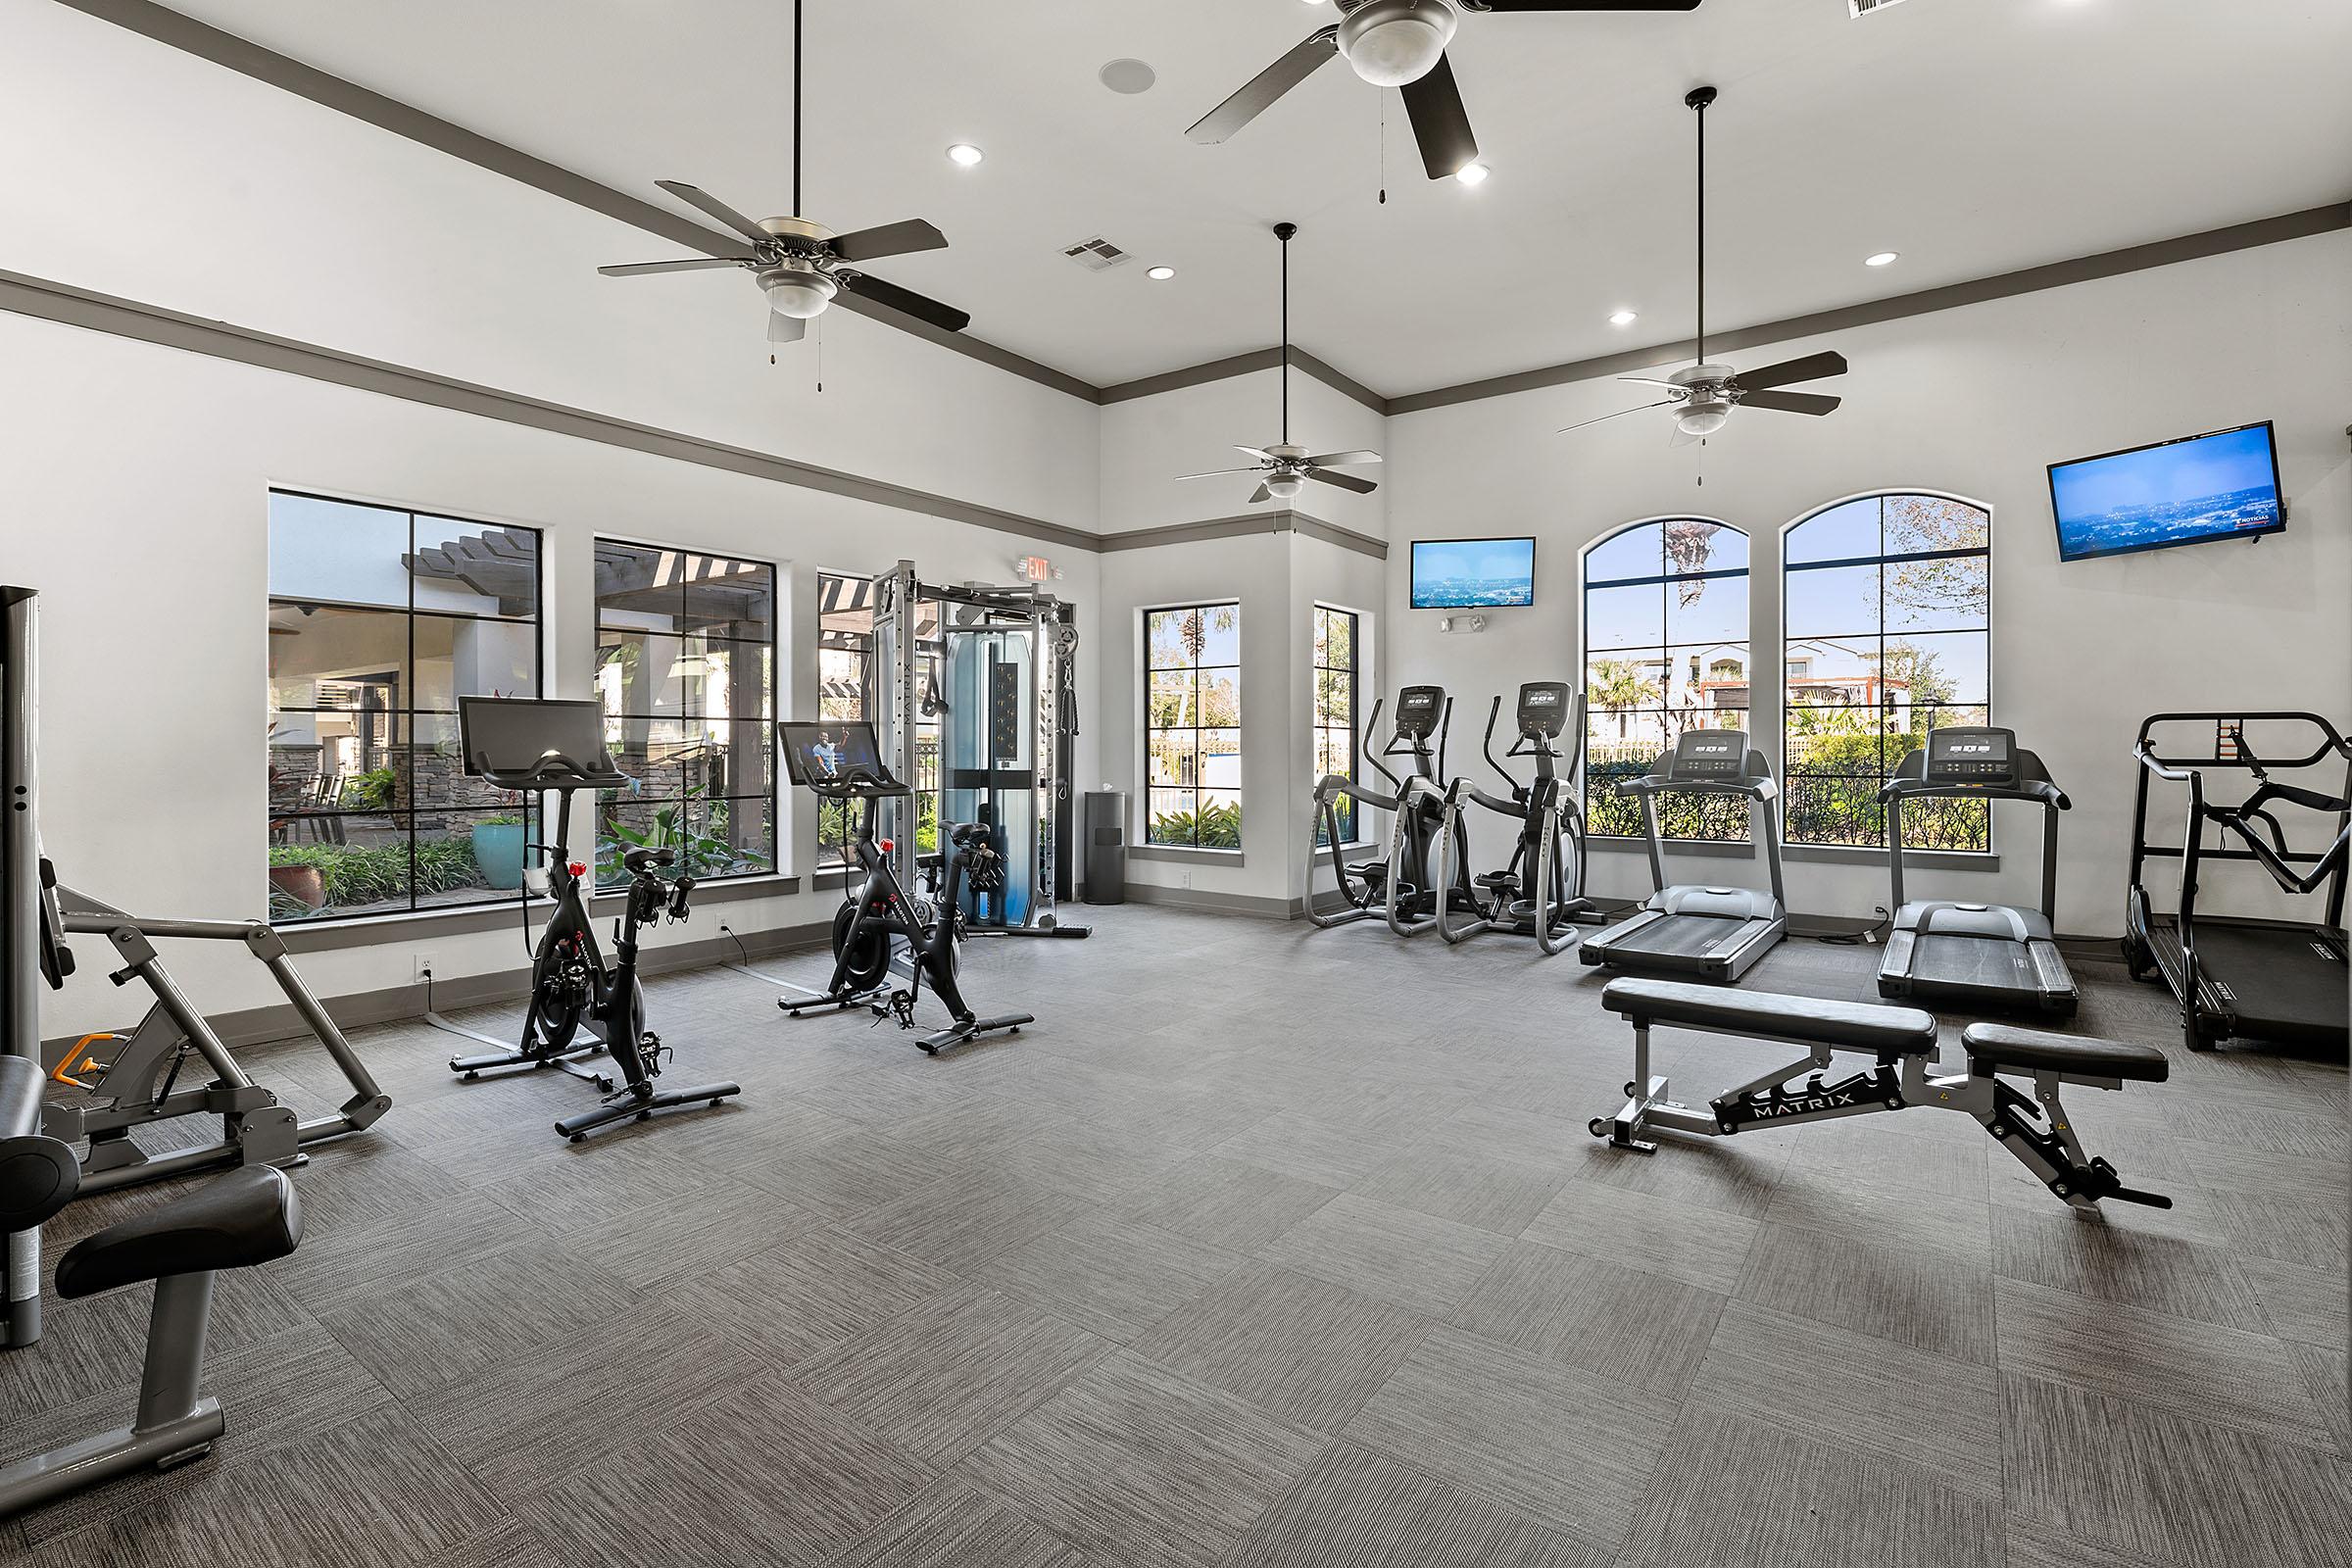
pixel 382 873
pixel 1216 827
pixel 373 790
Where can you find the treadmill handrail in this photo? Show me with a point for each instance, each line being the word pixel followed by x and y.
pixel 2048 796
pixel 2041 791
pixel 1755 789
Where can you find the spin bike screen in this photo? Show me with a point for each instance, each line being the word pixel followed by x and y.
pixel 821 754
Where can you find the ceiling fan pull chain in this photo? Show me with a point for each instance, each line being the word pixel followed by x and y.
pixel 1383 147
pixel 821 356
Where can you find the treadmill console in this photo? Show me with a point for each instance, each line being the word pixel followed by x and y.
pixel 1971 756
pixel 1417 711
pixel 1711 756
pixel 1543 708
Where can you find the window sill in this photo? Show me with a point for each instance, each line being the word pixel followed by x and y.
pixel 366 930
pixel 832 879
pixel 1179 851
pixel 1913 859
pixel 1712 849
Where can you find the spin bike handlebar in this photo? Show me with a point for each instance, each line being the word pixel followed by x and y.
pixel 556 770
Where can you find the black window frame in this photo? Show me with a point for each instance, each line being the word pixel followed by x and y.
pixel 837 821
pixel 1796 785
pixel 1345 808
pixel 605 873
pixel 1196 788
pixel 328 827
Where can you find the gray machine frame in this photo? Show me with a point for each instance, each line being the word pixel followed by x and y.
pixel 1045 851
pixel 1941 949
pixel 1551 823
pixel 1752 924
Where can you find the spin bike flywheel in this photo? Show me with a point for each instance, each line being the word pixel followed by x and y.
pixel 869 963
pixel 564 994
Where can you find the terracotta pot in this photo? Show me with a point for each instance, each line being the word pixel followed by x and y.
pixel 305 884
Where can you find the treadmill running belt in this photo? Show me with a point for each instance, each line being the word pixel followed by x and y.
pixel 1972 961
pixel 1683 936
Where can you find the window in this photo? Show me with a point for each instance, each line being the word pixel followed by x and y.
pixel 1191 726
pixel 845 650
pixel 1665 651
pixel 1889 602
pixel 379 621
pixel 685 667
pixel 1335 710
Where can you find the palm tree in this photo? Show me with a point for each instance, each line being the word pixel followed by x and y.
pixel 1619 686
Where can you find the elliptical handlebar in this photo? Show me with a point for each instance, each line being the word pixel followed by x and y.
pixel 1487 744
pixel 1374 757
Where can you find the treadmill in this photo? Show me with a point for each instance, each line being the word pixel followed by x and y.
pixel 1712 933
pixel 2238 976
pixel 1981 955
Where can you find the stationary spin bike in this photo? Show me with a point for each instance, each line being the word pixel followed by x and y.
pixel 1540 891
pixel 881 929
pixel 520 742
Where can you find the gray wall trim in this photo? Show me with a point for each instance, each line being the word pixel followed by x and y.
pixel 1248 363
pixel 2032 280
pixel 1704 849
pixel 1281 520
pixel 150 323
pixel 1806 853
pixel 394 1003
pixel 1258 908
pixel 426 925
pixel 1184 851
pixel 191 36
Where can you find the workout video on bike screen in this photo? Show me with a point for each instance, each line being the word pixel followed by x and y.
pixel 821 752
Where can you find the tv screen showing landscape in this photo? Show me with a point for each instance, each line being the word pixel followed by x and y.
pixel 2219 486
pixel 1473 574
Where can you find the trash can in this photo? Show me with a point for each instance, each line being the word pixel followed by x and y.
pixel 1105 824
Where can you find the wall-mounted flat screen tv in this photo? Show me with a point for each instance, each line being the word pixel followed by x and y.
pixel 1473 574
pixel 2222 485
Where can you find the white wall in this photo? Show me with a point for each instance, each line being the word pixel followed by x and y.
pixel 1973 402
pixel 148 174
pixel 1146 442
pixel 135 481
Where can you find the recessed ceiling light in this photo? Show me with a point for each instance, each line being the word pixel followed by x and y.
pixel 1129 77
pixel 1621 317
pixel 1473 173
pixel 1160 275
pixel 1883 259
pixel 964 153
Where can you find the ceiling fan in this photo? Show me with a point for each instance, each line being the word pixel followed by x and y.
pixel 1396 43
pixel 1705 394
pixel 802 266
pixel 1285 469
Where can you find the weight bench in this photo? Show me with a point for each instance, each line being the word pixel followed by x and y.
pixel 1901 1041
pixel 248 1217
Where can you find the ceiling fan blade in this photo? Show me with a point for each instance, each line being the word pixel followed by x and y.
pixel 1214 473
pixel 782 328
pixel 1440 124
pixel 696 196
pixel 889 239
pixel 1262 89
pixel 1342 460
pixel 641 268
pixel 1581 5
pixel 1260 453
pixel 1812 368
pixel 1262 494
pixel 1789 402
pixel 921 307
pixel 1649 380
pixel 1346 481
pixel 1580 423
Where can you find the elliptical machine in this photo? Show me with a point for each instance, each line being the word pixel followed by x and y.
pixel 1542 891
pixel 1399 888
pixel 522 743
pixel 880 928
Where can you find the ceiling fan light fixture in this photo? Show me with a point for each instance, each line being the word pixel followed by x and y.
pixel 1392 42
pixel 1283 486
pixel 802 293
pixel 1703 418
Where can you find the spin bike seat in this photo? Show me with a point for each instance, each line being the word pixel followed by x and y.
pixel 638 860
pixel 250 1216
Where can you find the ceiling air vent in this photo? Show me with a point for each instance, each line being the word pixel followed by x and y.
pixel 1863 8
pixel 1096 255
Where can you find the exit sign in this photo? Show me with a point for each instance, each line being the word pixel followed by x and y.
pixel 1034 568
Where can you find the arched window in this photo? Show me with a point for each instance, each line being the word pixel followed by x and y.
pixel 1887 613
pixel 1665 651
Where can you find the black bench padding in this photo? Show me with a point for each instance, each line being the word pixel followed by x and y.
pixel 249 1217
pixel 2000 1045
pixel 1889 1032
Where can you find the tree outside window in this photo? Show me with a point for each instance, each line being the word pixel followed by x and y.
pixel 1191 726
pixel 1335 733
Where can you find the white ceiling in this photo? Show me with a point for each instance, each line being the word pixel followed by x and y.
pixel 1973 137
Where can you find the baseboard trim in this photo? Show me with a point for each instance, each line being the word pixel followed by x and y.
pixel 253 1026
pixel 1244 904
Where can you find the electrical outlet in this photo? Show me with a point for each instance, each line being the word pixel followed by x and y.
pixel 423 970
pixel 1184 878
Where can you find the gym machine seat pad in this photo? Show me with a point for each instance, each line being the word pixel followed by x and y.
pixel 1996 1045
pixel 1893 1033
pixel 247 1217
